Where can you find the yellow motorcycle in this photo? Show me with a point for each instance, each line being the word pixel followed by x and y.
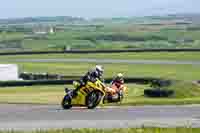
pixel 89 95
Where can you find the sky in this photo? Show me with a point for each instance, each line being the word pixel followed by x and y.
pixel 95 8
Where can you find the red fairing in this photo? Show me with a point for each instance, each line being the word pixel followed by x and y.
pixel 118 83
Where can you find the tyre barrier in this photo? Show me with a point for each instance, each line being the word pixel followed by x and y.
pixel 44 76
pixel 34 82
pixel 158 93
pixel 155 82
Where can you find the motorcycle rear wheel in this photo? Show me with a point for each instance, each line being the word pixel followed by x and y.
pixel 109 98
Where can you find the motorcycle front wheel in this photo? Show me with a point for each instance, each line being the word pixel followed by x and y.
pixel 66 102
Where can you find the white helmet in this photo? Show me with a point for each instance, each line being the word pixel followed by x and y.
pixel 120 75
pixel 99 69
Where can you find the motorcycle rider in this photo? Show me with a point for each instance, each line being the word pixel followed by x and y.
pixel 116 83
pixel 118 80
pixel 92 75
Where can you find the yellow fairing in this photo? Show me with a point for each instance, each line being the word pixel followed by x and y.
pixel 85 90
pixel 79 100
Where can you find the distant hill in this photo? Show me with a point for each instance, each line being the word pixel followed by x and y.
pixel 187 17
pixel 193 17
pixel 40 19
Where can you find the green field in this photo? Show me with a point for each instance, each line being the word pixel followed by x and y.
pixel 4 36
pixel 121 36
pixel 119 130
pixel 108 36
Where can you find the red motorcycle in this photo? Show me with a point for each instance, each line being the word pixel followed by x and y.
pixel 115 93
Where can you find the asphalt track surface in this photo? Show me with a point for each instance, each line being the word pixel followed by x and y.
pixel 89 60
pixel 33 117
